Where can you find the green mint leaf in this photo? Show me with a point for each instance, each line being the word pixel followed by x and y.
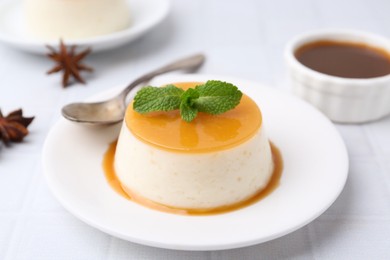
pixel 189 96
pixel 214 97
pixel 150 99
pixel 217 97
pixel 187 110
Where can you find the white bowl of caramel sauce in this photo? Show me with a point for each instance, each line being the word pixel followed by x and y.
pixel 344 73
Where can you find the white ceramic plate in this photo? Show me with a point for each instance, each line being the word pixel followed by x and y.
pixel 145 15
pixel 315 171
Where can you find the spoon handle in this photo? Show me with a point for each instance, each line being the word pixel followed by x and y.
pixel 192 62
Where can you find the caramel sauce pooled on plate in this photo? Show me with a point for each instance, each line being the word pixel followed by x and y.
pixel 344 59
pixel 108 166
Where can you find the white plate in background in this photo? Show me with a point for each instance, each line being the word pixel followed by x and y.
pixel 145 14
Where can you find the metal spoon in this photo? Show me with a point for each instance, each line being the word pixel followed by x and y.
pixel 113 110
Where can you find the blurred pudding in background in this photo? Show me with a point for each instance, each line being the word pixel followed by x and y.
pixel 75 19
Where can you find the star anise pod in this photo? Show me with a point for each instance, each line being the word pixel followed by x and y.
pixel 13 127
pixel 69 62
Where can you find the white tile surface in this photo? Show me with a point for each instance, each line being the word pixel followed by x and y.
pixel 379 132
pixel 241 38
pixel 7 225
pixel 121 250
pixel 16 172
pixel 59 236
pixel 356 140
pixel 365 194
pixel 357 239
pixel 42 199
pixel 296 245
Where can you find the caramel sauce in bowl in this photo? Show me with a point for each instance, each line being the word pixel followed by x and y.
pixel 344 73
pixel 344 59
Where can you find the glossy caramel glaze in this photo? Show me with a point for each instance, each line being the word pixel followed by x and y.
pixel 206 133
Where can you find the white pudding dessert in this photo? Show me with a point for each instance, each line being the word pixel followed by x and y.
pixel 75 19
pixel 212 162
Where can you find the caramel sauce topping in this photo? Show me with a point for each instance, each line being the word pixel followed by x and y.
pixel 206 133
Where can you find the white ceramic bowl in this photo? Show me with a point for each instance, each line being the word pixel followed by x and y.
pixel 344 100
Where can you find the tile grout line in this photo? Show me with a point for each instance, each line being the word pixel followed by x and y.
pixel 354 217
pixel 378 155
pixel 110 248
pixel 312 239
pixel 23 213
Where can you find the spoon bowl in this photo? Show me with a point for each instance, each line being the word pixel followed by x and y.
pixel 99 113
pixel 113 110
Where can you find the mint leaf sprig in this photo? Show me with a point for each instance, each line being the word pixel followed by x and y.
pixel 214 97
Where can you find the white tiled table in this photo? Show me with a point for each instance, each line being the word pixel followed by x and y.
pixel 241 38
